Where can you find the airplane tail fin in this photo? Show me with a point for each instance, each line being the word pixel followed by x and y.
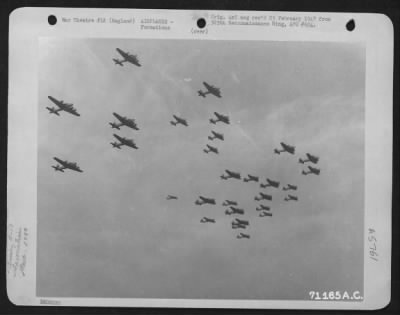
pixel 114 126
pixel 277 151
pixel 173 123
pixel 52 110
pixel 205 151
pixel 304 173
pixel 210 138
pixel 213 121
pixel 301 161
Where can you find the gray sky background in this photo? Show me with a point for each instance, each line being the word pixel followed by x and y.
pixel 109 232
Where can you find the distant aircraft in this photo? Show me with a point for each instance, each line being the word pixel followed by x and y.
pixel 230 174
pixel 127 58
pixel 270 183
pixel 251 178
pixel 211 149
pixel 123 141
pixel 285 148
pixel 263 208
pixel 118 62
pixel 310 158
pixel 229 203
pixel 170 197
pixel 179 120
pixel 239 224
pixel 221 118
pixel 124 121
pixel 290 187
pixel 210 90
pixel 66 165
pixel 242 235
pixel 312 170
pixel 291 197
pixel 262 196
pixel 207 220
pixel 216 135
pixel 69 108
pixel 234 210
pixel 265 214
pixel 204 200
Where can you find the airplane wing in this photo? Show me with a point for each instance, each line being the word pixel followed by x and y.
pixel 122 53
pixel 60 161
pixel 118 117
pixel 58 103
pixel 118 137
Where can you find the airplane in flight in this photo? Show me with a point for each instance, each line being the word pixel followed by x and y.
pixel 127 57
pixel 211 149
pixel 312 170
pixel 171 197
pixel 230 174
pixel 207 220
pixel 62 106
pixel 270 183
pixel 216 135
pixel 291 197
pixel 204 200
pixel 179 120
pixel 124 121
pixel 285 148
pixel 66 165
pixel 234 210
pixel 210 90
pixel 251 178
pixel 242 235
pixel 221 118
pixel 310 158
pixel 289 187
pixel 123 141
pixel 262 196
pixel 263 208
pixel 229 203
pixel 265 214
pixel 240 224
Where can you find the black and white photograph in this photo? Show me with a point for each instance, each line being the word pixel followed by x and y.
pixel 176 169
pixel 182 169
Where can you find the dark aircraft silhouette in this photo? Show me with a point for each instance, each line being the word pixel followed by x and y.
pixel 170 197
pixel 127 57
pixel 179 120
pixel 124 121
pixel 207 220
pixel 123 141
pixel 234 210
pixel 251 178
pixel 239 224
pixel 270 183
pixel 312 170
pixel 263 208
pixel 204 200
pixel 291 197
pixel 242 235
pixel 66 165
pixel 285 148
pixel 118 62
pixel 265 214
pixel 221 118
pixel 210 90
pixel 216 135
pixel 229 203
pixel 230 174
pixel 290 187
pixel 310 158
pixel 210 149
pixel 69 108
pixel 262 196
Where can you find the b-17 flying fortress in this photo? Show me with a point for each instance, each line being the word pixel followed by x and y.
pixel 233 208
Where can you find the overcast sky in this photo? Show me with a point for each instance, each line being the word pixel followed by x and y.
pixel 110 232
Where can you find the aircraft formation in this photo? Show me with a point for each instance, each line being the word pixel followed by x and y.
pixel 232 207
